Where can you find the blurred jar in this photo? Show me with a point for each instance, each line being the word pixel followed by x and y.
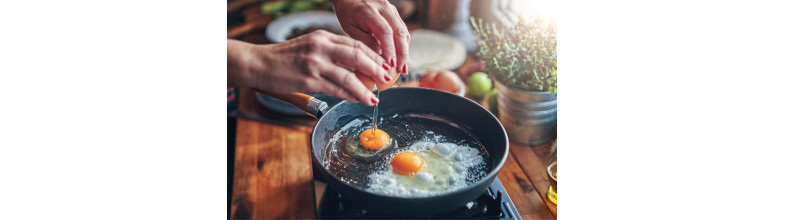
pixel 551 168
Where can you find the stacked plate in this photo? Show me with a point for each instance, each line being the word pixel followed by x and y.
pixel 432 50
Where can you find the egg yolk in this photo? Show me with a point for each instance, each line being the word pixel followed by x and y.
pixel 374 139
pixel 407 163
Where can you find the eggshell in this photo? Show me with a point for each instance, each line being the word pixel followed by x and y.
pixel 395 75
pixel 368 82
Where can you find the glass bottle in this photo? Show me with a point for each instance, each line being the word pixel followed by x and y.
pixel 551 169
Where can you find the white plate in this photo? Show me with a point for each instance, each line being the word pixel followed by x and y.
pixel 280 28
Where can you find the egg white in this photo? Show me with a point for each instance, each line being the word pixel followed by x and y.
pixel 447 168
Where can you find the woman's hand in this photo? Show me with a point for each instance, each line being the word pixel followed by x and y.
pixel 312 63
pixel 377 24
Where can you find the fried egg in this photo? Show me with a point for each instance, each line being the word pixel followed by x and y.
pixel 427 168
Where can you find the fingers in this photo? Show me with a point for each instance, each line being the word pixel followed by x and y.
pixel 382 31
pixel 349 83
pixel 370 52
pixel 337 90
pixel 366 38
pixel 401 37
pixel 357 56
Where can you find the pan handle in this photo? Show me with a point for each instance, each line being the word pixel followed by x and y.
pixel 308 104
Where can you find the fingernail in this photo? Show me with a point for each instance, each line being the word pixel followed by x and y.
pixel 385 66
pixel 387 78
pixel 406 68
pixel 374 100
pixel 392 61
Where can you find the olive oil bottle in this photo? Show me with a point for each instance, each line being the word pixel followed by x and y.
pixel 552 188
pixel 551 169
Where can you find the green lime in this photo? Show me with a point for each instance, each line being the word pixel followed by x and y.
pixel 493 104
pixel 479 83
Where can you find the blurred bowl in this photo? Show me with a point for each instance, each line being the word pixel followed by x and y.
pixel 462 90
pixel 279 29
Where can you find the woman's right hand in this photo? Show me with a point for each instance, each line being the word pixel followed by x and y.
pixel 315 62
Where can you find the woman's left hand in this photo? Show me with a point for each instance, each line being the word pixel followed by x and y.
pixel 377 24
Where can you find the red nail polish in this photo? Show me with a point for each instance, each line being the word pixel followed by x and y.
pixel 392 61
pixel 385 66
pixel 387 78
pixel 374 100
pixel 406 68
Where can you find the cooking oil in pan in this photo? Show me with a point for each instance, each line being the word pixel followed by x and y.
pixel 353 164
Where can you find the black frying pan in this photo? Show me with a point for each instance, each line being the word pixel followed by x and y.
pixel 467 114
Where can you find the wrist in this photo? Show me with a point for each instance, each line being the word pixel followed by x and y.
pixel 243 64
pixel 257 66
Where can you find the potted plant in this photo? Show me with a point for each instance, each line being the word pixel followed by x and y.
pixel 522 62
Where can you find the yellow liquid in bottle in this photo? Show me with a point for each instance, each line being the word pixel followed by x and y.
pixel 552 188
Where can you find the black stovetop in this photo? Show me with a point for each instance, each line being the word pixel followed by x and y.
pixel 495 203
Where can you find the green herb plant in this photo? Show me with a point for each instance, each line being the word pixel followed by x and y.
pixel 279 8
pixel 523 56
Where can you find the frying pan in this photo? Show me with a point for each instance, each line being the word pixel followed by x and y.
pixel 462 112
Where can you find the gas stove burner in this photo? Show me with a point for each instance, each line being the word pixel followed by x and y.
pixel 495 203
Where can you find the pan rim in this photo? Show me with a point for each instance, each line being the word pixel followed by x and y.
pixel 493 173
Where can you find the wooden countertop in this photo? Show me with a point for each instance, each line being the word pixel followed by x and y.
pixel 273 177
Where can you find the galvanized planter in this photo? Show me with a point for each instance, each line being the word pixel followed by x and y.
pixel 528 116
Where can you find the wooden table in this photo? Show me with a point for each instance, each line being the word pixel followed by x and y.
pixel 273 177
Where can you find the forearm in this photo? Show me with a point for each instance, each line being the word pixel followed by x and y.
pixel 241 65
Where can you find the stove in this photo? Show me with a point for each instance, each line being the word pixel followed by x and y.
pixel 495 203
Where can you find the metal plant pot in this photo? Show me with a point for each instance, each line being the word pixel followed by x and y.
pixel 528 116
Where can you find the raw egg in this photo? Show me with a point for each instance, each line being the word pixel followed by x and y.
pixel 442 80
pixel 368 82
pixel 426 80
pixel 374 139
pixel 407 163
pixel 447 81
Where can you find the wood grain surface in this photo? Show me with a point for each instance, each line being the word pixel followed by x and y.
pixel 522 192
pixel 273 176
pixel 533 165
pixel 251 25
